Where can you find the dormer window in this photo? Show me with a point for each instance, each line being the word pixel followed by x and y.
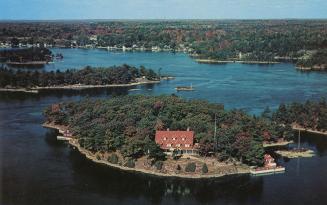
pixel 165 138
pixel 183 138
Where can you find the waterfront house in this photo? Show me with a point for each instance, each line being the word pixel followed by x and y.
pixel 180 141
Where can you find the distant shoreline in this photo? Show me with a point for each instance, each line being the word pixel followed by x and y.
pixel 211 61
pixel 309 130
pixel 93 158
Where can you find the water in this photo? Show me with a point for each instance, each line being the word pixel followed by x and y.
pixel 37 169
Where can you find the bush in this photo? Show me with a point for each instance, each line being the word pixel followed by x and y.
pixel 130 163
pixel 204 168
pixel 158 165
pixel 179 168
pixel 190 167
pixel 113 159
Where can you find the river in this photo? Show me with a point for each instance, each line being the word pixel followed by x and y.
pixel 37 169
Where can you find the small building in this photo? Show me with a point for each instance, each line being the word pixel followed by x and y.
pixel 180 141
pixel 269 161
pixel 67 133
pixel 55 107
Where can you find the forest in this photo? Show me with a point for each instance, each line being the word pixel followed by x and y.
pixel 25 55
pixel 311 115
pixel 128 123
pixel 255 40
pixel 123 74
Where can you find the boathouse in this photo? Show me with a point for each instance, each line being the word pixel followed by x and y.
pixel 180 141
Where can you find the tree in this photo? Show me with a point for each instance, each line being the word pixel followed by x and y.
pixel 190 167
pixel 204 168
pixel 267 113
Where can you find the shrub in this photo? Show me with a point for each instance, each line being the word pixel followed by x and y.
pixel 158 165
pixel 179 168
pixel 204 168
pixel 190 167
pixel 130 163
pixel 113 159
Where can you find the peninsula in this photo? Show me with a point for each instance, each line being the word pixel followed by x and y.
pixel 26 57
pixel 88 77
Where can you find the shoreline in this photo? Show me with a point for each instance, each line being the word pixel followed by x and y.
pixel 300 68
pixel 309 130
pixel 73 87
pixel 211 61
pixel 277 144
pixel 73 142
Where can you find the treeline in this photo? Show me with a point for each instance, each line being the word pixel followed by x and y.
pixel 312 115
pixel 316 61
pixel 258 40
pixel 25 55
pixel 128 124
pixel 123 74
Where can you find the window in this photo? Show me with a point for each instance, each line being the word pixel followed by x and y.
pixel 165 138
pixel 174 138
pixel 187 145
pixel 183 138
pixel 168 145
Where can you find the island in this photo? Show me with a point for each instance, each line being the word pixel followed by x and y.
pixel 166 135
pixel 88 77
pixel 26 57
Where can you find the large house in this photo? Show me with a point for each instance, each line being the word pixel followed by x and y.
pixel 180 141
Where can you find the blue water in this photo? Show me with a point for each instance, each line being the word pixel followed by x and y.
pixel 249 87
pixel 36 169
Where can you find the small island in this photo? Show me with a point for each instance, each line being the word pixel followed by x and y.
pixel 316 61
pixel 166 135
pixel 27 57
pixel 88 77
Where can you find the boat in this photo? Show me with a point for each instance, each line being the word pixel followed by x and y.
pixel 184 88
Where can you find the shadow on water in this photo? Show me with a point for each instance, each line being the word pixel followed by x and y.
pixel 60 93
pixel 115 183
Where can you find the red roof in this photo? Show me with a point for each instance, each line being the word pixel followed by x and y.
pixel 175 139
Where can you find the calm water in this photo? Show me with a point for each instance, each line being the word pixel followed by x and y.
pixel 36 169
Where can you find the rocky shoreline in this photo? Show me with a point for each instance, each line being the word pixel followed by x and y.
pixel 92 156
pixel 74 87
pixel 211 61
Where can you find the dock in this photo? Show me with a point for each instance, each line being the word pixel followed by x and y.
pixel 265 171
pixel 63 138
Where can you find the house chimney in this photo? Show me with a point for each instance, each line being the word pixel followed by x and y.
pixel 188 129
pixel 167 129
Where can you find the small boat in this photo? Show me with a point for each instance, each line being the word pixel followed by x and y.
pixel 184 88
pixel 134 89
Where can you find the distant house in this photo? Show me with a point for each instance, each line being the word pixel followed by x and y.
pixel 180 141
pixel 55 107
pixel 68 134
